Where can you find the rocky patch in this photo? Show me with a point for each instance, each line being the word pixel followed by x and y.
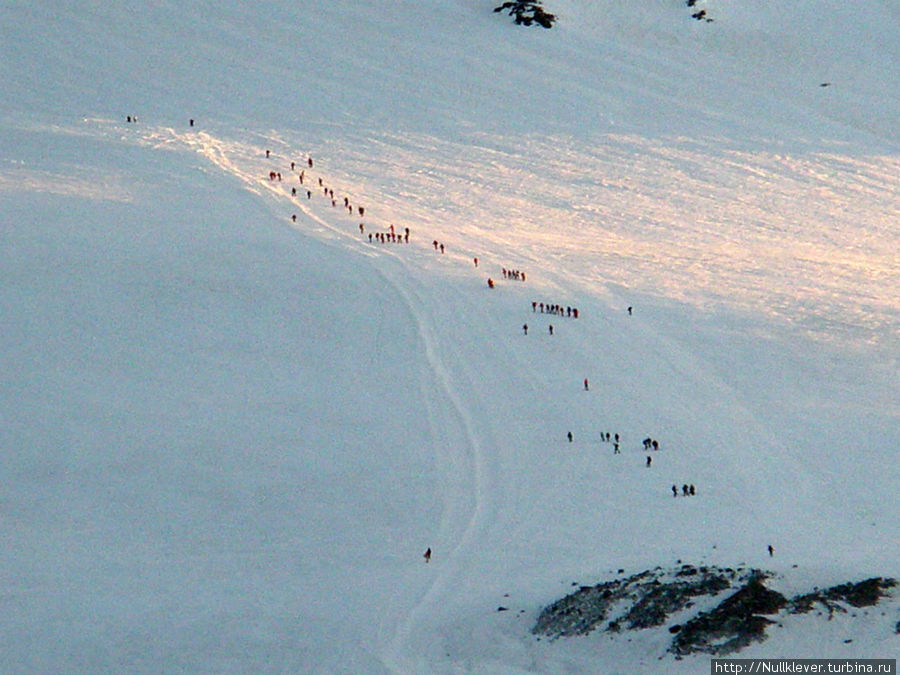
pixel 687 598
pixel 527 12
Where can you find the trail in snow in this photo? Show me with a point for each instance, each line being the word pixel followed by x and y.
pixel 463 458
pixel 462 455
pixel 243 161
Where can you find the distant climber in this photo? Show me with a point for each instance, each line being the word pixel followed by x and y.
pixel 427 555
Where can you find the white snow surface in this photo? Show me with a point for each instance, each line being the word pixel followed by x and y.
pixel 228 436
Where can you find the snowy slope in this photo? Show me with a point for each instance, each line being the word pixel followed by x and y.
pixel 228 436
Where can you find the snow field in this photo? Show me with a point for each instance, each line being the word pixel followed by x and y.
pixel 228 437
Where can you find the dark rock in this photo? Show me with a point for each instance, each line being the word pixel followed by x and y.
pixel 527 12
pixel 658 602
pixel 735 623
pixel 861 594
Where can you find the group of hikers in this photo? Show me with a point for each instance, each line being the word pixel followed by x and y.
pixel 390 235
pixel 556 310
pixel 648 443
pixel 605 437
pixel 515 275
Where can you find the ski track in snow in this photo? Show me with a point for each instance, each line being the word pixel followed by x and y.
pixel 458 528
